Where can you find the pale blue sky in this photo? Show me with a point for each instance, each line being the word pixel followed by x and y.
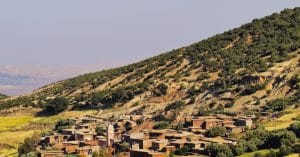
pixel 110 33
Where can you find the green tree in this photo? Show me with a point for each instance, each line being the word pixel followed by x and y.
pixel 98 98
pixel 285 150
pixel 161 125
pixel 124 146
pixel 100 130
pixel 26 147
pixel 216 131
pixel 140 121
pixel 217 150
pixel 128 126
pixel 57 105
pixel 64 124
pixel 161 89
pixel 183 151
pixel 179 126
pixel 241 147
pixel 295 127
pixel 175 105
pixel 278 138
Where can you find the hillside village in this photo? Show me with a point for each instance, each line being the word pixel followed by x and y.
pixel 127 134
pixel 228 95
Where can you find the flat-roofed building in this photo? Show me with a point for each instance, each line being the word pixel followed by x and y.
pixel 158 145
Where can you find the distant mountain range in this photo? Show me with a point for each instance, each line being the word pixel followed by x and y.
pixel 12 84
pixel 21 80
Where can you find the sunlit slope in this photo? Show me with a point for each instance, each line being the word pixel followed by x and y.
pixel 244 68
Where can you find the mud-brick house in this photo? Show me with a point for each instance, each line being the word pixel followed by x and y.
pixel 210 123
pixel 158 145
pixel 68 131
pixel 102 141
pixel 178 136
pixel 89 120
pixel 51 154
pixel 71 146
pixel 157 134
pixel 197 144
pixel 146 153
pixel 169 149
pixel 87 150
pixel 138 139
pixel 226 123
pixel 135 135
pixel 247 122
pixel 178 144
pixel 135 117
pixel 87 126
pixel 197 122
pixel 235 129
pixel 55 139
pixel 85 136
pixel 94 142
pixel 224 117
pixel 188 121
pixel 141 142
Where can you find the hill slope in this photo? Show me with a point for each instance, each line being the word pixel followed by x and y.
pixel 250 67
pixel 2 96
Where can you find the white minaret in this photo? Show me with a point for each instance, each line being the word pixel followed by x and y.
pixel 109 134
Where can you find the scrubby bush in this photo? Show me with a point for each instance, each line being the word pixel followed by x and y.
pixel 26 147
pixel 64 124
pixel 161 125
pixel 100 130
pixel 216 131
pixel 175 105
pixel 295 127
pixel 183 151
pixel 228 105
pixel 161 89
pixel 140 121
pixel 56 105
pixel 217 150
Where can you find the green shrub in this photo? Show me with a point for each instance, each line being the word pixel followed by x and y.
pixel 64 124
pixel 217 150
pixel 175 105
pixel 140 121
pixel 183 151
pixel 295 127
pixel 228 105
pixel 56 105
pixel 215 131
pixel 26 147
pixel 161 89
pixel 161 125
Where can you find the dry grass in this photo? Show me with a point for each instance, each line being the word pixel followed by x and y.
pixel 293 155
pixel 283 121
pixel 7 123
pixel 252 154
pixel 14 138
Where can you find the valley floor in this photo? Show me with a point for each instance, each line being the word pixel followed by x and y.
pixel 14 129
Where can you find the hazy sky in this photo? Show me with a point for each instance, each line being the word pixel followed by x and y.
pixel 110 33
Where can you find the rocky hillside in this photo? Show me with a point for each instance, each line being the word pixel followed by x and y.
pixel 254 67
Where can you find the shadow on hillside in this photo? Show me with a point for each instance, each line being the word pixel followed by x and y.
pixel 45 113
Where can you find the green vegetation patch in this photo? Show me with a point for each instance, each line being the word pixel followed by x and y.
pixel 7 123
